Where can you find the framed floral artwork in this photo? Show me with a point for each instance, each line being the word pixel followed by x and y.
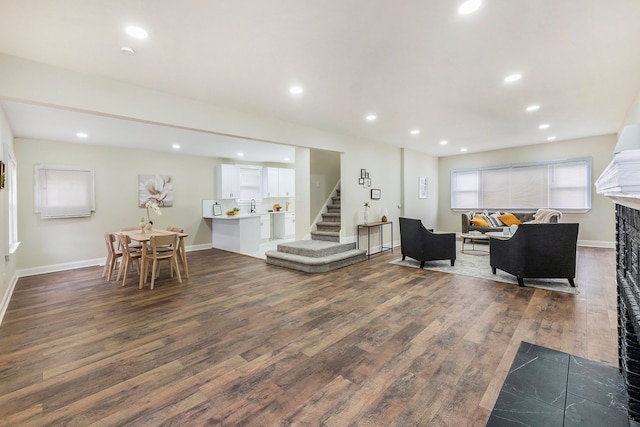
pixel 157 189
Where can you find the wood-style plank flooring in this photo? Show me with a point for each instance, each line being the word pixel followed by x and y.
pixel 242 343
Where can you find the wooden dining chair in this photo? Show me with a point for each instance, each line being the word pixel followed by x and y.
pixel 130 255
pixel 132 245
pixel 113 255
pixel 175 230
pixel 163 247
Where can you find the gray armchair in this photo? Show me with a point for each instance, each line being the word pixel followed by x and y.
pixel 423 245
pixel 537 251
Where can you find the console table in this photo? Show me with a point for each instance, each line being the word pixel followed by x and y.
pixel 380 226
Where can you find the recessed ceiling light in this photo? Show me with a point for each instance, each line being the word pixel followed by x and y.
pixel 415 132
pixel 551 138
pixel 286 159
pixel 127 50
pixel 534 107
pixel 176 146
pixel 469 6
pixel 296 90
pixel 444 142
pixel 463 149
pixel 512 78
pixel 240 154
pixel 136 32
pixel 544 126
pixel 82 135
pixel 371 117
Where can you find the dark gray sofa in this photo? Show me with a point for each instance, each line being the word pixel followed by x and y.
pixel 522 216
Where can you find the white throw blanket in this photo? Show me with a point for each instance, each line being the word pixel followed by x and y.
pixel 545 215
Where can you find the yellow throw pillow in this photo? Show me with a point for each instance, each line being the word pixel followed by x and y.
pixel 509 219
pixel 479 221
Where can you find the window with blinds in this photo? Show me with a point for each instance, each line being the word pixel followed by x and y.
pixel 64 191
pixel 563 185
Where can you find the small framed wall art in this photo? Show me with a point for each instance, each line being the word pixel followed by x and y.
pixel 422 187
pixel 375 194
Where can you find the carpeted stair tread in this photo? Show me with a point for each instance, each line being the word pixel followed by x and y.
pixel 331 236
pixel 313 264
pixel 328 226
pixel 315 248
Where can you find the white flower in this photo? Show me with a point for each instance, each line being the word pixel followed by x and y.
pixel 153 205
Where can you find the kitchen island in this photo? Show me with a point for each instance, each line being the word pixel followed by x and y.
pixel 238 233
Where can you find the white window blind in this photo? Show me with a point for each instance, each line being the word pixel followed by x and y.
pixel 64 191
pixel 564 185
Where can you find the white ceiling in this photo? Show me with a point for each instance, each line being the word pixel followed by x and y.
pixel 416 65
pixel 51 124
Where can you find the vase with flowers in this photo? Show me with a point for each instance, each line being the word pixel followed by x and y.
pixel 146 225
pixel 366 212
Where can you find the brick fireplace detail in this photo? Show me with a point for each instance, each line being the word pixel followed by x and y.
pixel 628 284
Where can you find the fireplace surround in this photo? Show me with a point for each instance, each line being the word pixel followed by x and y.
pixel 621 182
pixel 628 285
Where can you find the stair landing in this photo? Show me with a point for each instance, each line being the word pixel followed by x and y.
pixel 315 256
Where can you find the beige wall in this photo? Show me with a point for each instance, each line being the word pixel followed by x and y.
pixel 383 162
pixel 51 242
pixel 597 227
pixel 633 115
pixel 415 165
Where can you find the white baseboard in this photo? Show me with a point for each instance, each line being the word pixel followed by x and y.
pixel 85 263
pixel 597 244
pixel 7 297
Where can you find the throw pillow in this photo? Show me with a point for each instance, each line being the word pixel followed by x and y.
pixel 509 219
pixel 494 220
pixel 479 221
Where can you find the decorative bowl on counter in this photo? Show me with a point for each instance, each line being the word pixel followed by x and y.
pixel 233 212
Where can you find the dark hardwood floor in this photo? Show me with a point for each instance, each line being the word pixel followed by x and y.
pixel 244 343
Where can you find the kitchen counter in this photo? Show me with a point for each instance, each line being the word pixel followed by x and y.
pixel 240 216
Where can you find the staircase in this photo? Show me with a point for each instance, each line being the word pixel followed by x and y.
pixel 323 252
pixel 329 228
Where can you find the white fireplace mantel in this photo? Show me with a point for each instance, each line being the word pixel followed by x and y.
pixel 620 181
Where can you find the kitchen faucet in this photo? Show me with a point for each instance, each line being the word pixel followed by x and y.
pixel 253 205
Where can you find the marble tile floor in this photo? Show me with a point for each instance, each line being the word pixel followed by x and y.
pixel 545 387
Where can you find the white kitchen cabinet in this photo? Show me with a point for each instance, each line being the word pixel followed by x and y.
pixel 277 222
pixel 286 182
pixel 278 182
pixel 270 182
pixel 289 224
pixel 265 226
pixel 227 181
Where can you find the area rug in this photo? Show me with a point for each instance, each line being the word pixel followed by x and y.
pixel 478 266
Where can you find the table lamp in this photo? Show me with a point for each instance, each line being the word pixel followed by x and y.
pixel 384 212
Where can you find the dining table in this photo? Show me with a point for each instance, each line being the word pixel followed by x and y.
pixel 144 237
